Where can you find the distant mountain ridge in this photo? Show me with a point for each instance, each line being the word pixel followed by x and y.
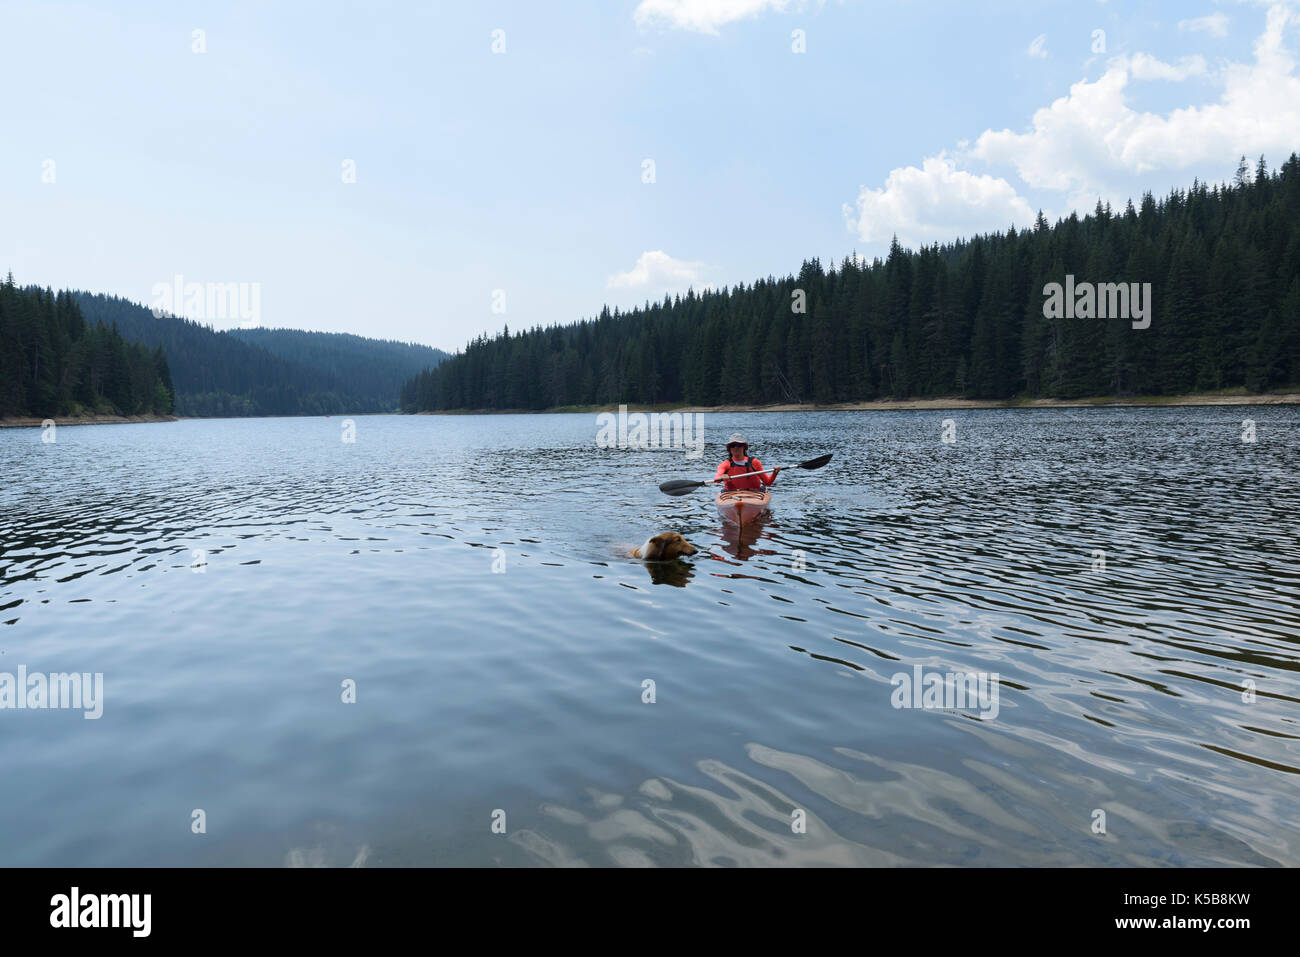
pixel 250 372
pixel 375 368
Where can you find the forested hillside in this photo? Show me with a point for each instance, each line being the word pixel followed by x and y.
pixel 52 362
pixel 372 369
pixel 266 372
pixel 963 319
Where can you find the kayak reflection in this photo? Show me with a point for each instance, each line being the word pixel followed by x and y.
pixel 741 541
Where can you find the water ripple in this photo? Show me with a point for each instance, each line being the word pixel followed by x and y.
pixel 1131 576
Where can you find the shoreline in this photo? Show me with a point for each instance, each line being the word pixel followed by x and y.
pixel 951 403
pixel 935 404
pixel 31 422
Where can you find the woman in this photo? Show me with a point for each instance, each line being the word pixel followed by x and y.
pixel 738 462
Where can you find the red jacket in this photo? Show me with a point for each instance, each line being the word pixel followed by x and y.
pixel 728 467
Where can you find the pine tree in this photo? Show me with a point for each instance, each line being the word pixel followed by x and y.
pixel 964 318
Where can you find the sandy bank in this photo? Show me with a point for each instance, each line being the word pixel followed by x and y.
pixel 29 422
pixel 895 405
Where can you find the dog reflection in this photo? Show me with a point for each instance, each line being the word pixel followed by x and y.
pixel 670 573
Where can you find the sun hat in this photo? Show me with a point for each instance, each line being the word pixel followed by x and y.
pixel 736 439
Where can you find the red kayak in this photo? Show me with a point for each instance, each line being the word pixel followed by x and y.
pixel 743 506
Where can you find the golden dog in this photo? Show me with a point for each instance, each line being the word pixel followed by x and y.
pixel 663 547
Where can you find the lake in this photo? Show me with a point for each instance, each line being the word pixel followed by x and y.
pixel 1130 576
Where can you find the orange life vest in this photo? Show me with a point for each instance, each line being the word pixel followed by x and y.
pixel 739 468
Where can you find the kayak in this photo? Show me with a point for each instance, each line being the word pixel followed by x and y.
pixel 743 506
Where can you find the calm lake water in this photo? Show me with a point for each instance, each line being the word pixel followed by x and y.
pixel 1126 691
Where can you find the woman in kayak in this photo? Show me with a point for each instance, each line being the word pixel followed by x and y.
pixel 738 462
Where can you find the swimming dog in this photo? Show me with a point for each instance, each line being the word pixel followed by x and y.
pixel 663 547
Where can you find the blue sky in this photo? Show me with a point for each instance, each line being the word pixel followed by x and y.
pixel 131 159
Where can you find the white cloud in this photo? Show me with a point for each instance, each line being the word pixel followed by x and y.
pixel 1092 137
pixel 1037 47
pixel 1215 24
pixel 655 271
pixel 937 202
pixel 1143 66
pixel 702 16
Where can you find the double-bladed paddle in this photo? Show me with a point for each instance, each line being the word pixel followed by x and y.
pixel 682 486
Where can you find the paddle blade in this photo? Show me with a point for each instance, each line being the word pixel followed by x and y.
pixel 679 486
pixel 815 463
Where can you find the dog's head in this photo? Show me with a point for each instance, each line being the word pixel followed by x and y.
pixel 666 546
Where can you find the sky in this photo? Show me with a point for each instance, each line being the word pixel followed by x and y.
pixel 433 171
